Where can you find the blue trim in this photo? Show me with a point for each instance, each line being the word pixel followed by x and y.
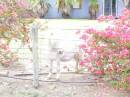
pixel 79 13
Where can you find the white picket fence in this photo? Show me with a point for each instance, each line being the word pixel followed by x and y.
pixel 64 31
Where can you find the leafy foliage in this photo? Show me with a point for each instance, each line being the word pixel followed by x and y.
pixel 15 15
pixel 64 6
pixel 40 7
pixel 93 8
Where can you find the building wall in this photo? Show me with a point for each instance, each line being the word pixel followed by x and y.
pixel 120 7
pixel 79 13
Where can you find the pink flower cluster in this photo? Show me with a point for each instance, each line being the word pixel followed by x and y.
pixel 107 18
pixel 22 3
pixel 5 47
pixel 128 79
pixel 110 46
pixel 124 52
pixel 3 8
pixel 108 51
pixel 6 56
pixel 13 25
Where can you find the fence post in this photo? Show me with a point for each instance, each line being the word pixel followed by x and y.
pixel 34 30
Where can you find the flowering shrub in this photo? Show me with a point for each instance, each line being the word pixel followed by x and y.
pixel 107 52
pixel 6 56
pixel 15 15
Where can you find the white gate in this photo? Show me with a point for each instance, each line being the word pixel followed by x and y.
pixel 64 31
pixel 40 49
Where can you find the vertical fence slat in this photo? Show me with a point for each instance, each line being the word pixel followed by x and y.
pixel 35 55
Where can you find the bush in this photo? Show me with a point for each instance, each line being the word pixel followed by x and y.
pixel 107 52
pixel 15 15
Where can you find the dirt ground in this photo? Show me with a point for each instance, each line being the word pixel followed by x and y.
pixel 70 85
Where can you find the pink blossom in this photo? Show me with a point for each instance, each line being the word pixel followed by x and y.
pixel 5 47
pixel 98 72
pixel 92 69
pixel 22 3
pixel 128 30
pixel 110 17
pixel 125 37
pixel 108 57
pixel 3 8
pixel 128 79
pixel 110 33
pixel 82 46
pixel 126 12
pixel 89 31
pixel 84 37
pixel 82 63
pixel 93 57
pixel 99 63
pixel 105 18
pixel 125 27
pixel 123 17
pixel 124 52
pixel 87 50
pixel 101 18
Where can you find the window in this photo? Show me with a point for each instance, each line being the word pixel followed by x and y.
pixel 77 4
pixel 110 7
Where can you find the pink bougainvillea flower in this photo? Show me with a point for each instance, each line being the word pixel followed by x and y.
pixel 124 52
pixel 5 47
pixel 92 30
pixel 110 33
pixel 128 89
pixel 84 37
pixel 99 63
pixel 82 63
pixel 124 27
pixel 128 79
pixel 89 31
pixel 126 12
pixel 3 8
pixel 22 3
pixel 108 50
pixel 125 37
pixel 92 69
pixel 101 18
pixel 128 30
pixel 105 18
pixel 110 17
pixel 12 26
pixel 123 17
pixel 99 72
pixel 83 46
